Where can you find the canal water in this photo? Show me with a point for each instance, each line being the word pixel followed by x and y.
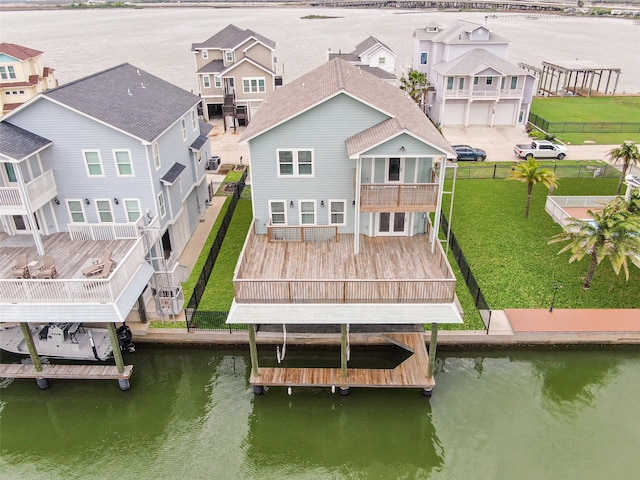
pixel 545 414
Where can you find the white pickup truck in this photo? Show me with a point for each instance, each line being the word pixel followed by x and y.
pixel 540 149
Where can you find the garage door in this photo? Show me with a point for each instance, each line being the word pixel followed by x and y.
pixel 505 114
pixel 479 113
pixel 453 114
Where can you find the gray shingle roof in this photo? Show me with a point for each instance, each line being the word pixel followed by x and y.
pixel 128 99
pixel 231 37
pixel 174 172
pixel 457 33
pixel 367 44
pixel 17 143
pixel 336 77
pixel 214 66
pixel 205 128
pixel 474 61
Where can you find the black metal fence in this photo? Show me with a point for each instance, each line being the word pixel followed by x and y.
pixel 583 127
pixel 470 280
pixel 213 321
pixel 472 170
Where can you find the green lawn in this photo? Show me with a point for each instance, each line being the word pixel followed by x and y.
pixel 510 257
pixel 562 168
pixel 591 110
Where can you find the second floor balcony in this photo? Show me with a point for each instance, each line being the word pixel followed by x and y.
pixel 40 190
pixel 398 197
pixel 483 94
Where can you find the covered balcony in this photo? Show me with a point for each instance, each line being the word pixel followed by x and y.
pixel 39 191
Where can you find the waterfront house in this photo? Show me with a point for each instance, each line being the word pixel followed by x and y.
pixel 22 75
pixel 473 82
pixel 373 56
pixel 236 70
pixel 106 177
pixel 346 171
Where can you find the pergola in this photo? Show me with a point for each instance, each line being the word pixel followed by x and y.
pixel 577 77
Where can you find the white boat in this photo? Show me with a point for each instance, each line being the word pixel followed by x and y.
pixel 70 341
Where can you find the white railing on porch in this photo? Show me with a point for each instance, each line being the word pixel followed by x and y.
pixel 302 233
pixel 383 195
pixel 40 190
pixel 105 231
pixel 79 290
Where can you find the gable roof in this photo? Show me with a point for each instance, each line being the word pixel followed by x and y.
pixel 339 77
pixel 18 51
pixel 247 60
pixel 231 37
pixel 458 33
pixel 17 143
pixel 475 61
pixel 128 99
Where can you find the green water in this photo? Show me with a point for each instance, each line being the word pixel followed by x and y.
pixel 191 414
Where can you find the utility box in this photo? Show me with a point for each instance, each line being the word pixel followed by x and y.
pixel 213 163
pixel 171 300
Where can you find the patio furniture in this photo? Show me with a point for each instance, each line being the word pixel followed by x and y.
pixel 97 266
pixel 21 268
pixel 108 266
pixel 48 268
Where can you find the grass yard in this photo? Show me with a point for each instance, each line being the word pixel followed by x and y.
pixel 591 110
pixel 510 257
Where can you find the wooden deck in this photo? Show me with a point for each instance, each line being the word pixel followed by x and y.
pixel 70 256
pixel 68 372
pixel 412 373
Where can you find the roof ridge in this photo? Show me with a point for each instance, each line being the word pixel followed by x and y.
pixel 78 80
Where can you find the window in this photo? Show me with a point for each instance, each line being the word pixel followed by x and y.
pixel 7 73
pixel 161 207
pixel 461 84
pixel 337 210
pixel 11 173
pixel 228 55
pixel 132 207
pixel 295 163
pixel 424 58
pixel 489 81
pixel 514 83
pixel 205 54
pixel 278 212
pixel 183 125
pixel 123 163
pixel 156 155
pixel 449 83
pixel 93 163
pixel 104 210
pixel 382 60
pixel 76 212
pixel 206 81
pixel 218 81
pixel 194 120
pixel 253 85
pixel 476 80
pixel 502 83
pixel 307 212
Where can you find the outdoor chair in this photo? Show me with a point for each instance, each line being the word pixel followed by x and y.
pixel 48 268
pixel 21 268
pixel 97 266
pixel 108 266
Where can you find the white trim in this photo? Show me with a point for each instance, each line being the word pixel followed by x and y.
pixel 206 81
pixel 226 56
pixel 257 79
pixel 86 165
pixel 344 212
pixel 155 151
pixel 295 164
pixel 284 204
pixel 315 212
pixel 126 210
pixel 204 54
pixel 194 120
pixel 69 212
pixel 183 127
pixel 108 200
pixel 392 232
pixel 217 83
pixel 115 160
pixel 162 205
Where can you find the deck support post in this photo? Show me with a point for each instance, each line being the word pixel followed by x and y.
pixel 123 383
pixel 253 350
pixel 343 350
pixel 42 383
pixel 432 349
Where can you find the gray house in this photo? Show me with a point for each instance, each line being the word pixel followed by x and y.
pixel 108 168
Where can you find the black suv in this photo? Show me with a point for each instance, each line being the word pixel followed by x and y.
pixel 465 152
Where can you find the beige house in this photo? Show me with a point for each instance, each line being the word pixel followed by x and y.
pixel 236 69
pixel 22 75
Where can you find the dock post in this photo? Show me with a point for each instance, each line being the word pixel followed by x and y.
pixel 432 356
pixel 42 383
pixel 123 383
pixel 253 350
pixel 344 390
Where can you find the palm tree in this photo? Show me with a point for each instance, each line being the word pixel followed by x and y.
pixel 629 154
pixel 530 173
pixel 414 84
pixel 613 233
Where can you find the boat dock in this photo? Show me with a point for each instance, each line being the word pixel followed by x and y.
pixel 412 373
pixel 67 372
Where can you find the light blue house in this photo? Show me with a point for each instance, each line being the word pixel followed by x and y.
pixel 345 171
pixel 108 167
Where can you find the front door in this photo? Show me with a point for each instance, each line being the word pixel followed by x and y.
pixel 392 223
pixel 394 170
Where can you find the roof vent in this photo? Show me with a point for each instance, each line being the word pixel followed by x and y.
pixel 129 91
pixel 138 72
pixel 142 85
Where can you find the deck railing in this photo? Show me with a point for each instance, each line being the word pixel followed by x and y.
pixel 40 190
pixel 302 233
pixel 80 290
pixel 409 196
pixel 105 231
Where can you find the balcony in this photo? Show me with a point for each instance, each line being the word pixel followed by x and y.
pixel 483 94
pixel 384 197
pixel 388 270
pixel 40 190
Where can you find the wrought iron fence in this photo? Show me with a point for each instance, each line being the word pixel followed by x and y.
pixel 472 170
pixel 207 321
pixel 470 280
pixel 583 127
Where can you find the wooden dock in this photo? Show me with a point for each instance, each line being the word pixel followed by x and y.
pixel 412 373
pixel 68 372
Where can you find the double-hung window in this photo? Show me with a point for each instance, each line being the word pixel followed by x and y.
pixel 449 83
pixel 194 120
pixel 476 80
pixel 161 208
pixel 206 81
pixel 228 55
pixel 124 166
pixel 307 212
pixel 489 81
pixel 76 212
pixel 514 83
pixel 295 163
pixel 104 211
pixel 8 73
pixel 183 125
pixel 337 212
pixel 217 81
pixel 205 54
pixel 156 155
pixel 253 85
pixel 132 207
pixel 93 163
pixel 278 212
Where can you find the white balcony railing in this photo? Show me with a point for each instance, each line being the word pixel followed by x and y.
pixel 40 190
pixel 467 93
pixel 105 231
